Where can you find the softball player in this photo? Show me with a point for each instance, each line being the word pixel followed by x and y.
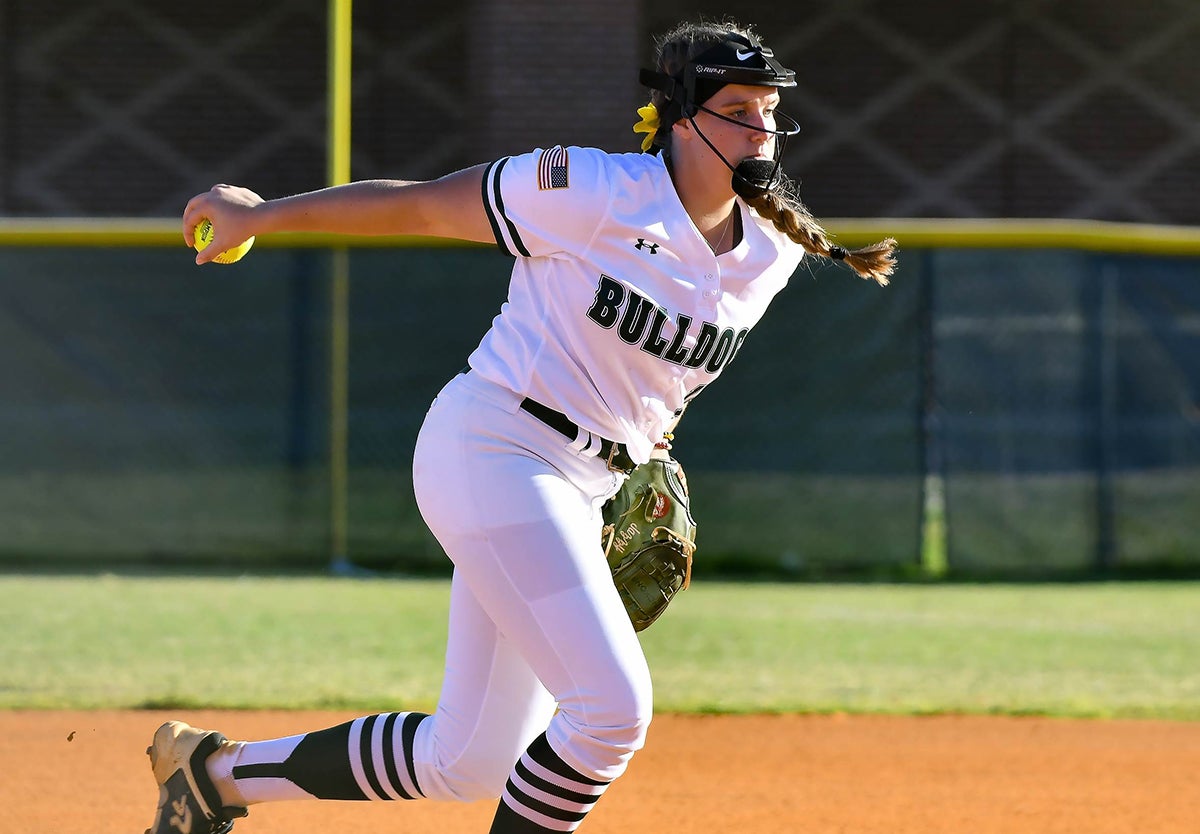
pixel 636 280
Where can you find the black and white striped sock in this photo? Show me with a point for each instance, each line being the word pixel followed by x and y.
pixel 544 793
pixel 367 758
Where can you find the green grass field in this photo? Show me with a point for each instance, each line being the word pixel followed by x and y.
pixel 1079 650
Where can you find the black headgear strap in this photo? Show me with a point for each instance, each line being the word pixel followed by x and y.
pixel 737 59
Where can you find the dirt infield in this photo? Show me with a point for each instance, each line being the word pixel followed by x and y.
pixel 87 772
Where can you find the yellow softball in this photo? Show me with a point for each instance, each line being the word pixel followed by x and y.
pixel 204 234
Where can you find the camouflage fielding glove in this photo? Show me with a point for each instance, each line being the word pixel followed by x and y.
pixel 649 538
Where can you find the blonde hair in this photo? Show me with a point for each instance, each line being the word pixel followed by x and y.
pixel 782 205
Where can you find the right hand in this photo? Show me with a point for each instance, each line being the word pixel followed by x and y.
pixel 231 210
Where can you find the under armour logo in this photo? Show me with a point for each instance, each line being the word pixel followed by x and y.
pixel 642 244
pixel 183 816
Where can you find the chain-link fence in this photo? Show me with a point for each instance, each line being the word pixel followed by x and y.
pixel 1012 108
pixel 158 416
pixel 1045 399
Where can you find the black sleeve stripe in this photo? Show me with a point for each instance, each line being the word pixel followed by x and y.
pixel 494 204
pixel 487 205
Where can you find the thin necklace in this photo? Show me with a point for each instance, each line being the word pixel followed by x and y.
pixel 724 234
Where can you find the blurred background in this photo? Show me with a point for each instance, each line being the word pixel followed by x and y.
pixel 1022 402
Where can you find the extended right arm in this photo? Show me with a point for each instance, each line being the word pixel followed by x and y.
pixel 451 206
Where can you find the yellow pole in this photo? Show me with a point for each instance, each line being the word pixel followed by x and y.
pixel 339 91
pixel 338 150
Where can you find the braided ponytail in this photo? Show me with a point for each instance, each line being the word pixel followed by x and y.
pixel 782 206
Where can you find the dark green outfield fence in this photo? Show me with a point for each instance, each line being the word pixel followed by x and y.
pixel 1031 412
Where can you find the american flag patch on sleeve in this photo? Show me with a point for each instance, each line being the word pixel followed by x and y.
pixel 552 169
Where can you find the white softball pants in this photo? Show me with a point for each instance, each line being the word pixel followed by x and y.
pixel 535 621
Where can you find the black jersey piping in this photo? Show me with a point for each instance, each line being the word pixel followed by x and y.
pixel 495 209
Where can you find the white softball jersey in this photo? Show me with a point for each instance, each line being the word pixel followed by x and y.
pixel 618 311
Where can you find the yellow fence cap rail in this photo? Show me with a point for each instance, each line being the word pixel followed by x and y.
pixel 912 233
pixel 163 232
pixel 1037 233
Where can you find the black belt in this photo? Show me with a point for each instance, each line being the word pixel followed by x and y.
pixel 615 454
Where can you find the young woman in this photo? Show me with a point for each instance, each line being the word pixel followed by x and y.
pixel 637 277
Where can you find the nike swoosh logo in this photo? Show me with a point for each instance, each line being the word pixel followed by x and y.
pixel 745 54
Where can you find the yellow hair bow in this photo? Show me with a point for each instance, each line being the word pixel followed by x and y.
pixel 648 125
